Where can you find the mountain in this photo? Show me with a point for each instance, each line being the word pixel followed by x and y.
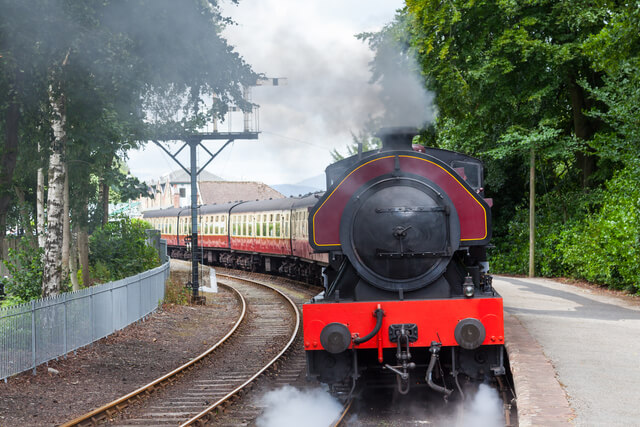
pixel 309 185
pixel 318 181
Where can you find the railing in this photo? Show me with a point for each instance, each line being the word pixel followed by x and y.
pixel 39 331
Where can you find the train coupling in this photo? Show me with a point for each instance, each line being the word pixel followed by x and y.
pixel 403 335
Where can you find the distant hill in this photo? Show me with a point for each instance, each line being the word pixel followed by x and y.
pixel 319 182
pixel 309 185
pixel 293 189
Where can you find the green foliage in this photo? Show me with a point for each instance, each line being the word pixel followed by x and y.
pixel 24 282
pixel 559 77
pixel 593 236
pixel 125 72
pixel 556 214
pixel 119 249
pixel 605 247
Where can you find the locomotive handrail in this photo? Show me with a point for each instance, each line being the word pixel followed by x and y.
pixel 379 313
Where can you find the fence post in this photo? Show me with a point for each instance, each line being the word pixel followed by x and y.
pixel 33 335
pixel 140 310
pixel 91 314
pixel 64 330
pixel 113 310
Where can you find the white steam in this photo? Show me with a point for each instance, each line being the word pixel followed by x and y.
pixel 290 407
pixel 485 409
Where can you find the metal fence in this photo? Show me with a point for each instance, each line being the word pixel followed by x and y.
pixel 36 332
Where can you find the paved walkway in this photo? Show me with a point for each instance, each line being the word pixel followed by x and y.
pixel 593 342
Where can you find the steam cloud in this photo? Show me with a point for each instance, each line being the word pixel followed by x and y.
pixel 290 407
pixel 485 409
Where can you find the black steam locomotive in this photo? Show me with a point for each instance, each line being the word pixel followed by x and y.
pixel 407 286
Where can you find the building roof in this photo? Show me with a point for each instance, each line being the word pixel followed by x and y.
pixel 180 176
pixel 231 191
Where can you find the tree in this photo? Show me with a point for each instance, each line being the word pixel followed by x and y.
pixel 551 80
pixel 99 71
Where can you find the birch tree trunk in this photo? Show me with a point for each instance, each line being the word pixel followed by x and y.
pixel 66 224
pixel 40 206
pixel 52 271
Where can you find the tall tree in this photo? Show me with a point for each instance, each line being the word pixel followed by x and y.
pixel 124 62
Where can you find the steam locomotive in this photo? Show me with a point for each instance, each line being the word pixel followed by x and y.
pixel 407 290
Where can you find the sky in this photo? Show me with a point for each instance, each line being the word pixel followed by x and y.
pixel 327 95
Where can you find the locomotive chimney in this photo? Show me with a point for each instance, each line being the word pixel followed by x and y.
pixel 396 138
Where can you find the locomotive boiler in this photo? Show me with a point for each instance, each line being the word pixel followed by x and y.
pixel 407 292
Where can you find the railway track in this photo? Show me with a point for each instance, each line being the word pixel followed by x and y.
pixel 264 332
pixel 341 420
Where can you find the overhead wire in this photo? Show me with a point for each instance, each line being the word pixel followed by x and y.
pixel 296 140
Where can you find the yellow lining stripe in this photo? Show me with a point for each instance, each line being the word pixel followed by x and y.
pixel 387 157
pixel 334 190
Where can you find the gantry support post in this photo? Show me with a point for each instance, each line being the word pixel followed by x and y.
pixel 195 141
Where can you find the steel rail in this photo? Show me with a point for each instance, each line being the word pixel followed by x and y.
pixel 110 409
pixel 345 410
pixel 207 414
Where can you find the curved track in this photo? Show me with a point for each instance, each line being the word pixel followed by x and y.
pixel 260 337
pixel 267 326
pixel 107 411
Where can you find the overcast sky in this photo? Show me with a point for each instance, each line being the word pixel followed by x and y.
pixel 327 95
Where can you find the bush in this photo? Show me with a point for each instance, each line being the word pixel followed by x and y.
pixel 25 268
pixel 119 249
pixel 595 237
pixel 556 212
pixel 605 248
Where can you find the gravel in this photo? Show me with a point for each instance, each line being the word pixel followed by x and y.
pixel 116 365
